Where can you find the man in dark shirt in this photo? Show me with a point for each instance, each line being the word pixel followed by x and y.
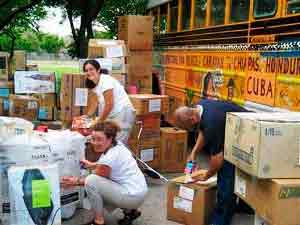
pixel 209 118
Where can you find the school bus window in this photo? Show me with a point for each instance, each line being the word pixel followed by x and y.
pixel 239 10
pixel 200 13
pixel 155 19
pixel 217 12
pixel 174 15
pixel 293 6
pixel 264 8
pixel 186 14
pixel 163 19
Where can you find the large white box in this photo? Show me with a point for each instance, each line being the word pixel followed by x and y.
pixel 29 82
pixel 265 145
pixel 34 195
pixel 19 150
pixel 67 149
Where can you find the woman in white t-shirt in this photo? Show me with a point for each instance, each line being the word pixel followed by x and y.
pixel 117 181
pixel 113 101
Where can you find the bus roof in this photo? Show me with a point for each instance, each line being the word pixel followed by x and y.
pixel 154 3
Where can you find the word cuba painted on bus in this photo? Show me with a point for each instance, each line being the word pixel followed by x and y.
pixel 259 72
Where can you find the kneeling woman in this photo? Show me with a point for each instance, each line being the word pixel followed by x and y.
pixel 117 180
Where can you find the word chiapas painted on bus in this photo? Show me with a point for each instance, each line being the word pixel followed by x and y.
pixel 252 76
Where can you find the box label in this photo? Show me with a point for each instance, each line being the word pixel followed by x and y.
pixel 289 192
pixel 154 105
pixel 81 96
pixel 147 155
pixel 240 186
pixel 32 105
pixel 114 51
pixel 186 193
pixel 183 204
pixel 242 155
pixel 43 113
pixel 41 194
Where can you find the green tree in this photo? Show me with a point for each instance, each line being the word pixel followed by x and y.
pixel 51 43
pixel 111 10
pixel 24 21
pixel 9 9
pixel 87 11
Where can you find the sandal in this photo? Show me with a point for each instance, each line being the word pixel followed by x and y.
pixel 129 217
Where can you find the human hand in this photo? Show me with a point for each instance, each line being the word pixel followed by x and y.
pixel 69 181
pixel 200 175
pixel 87 164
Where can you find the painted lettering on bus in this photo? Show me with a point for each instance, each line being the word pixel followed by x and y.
pixel 213 61
pixel 283 65
pixel 259 87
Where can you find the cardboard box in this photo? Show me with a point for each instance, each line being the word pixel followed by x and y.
pixel 122 78
pixel 190 204
pixel 4 106
pixel 47 113
pixel 29 82
pixel 99 48
pixel 173 149
pixel 149 103
pixel 6 88
pixel 26 107
pixel 73 96
pixel 257 143
pixel 148 151
pixel 46 100
pixel 142 82
pixel 32 67
pixel 276 201
pixel 137 31
pixel 4 69
pixel 150 124
pixel 140 63
pixel 20 60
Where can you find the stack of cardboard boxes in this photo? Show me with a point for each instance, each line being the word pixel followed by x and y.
pixel 73 97
pixel 137 33
pixel 265 149
pixel 111 54
pixel 148 109
pixel 40 100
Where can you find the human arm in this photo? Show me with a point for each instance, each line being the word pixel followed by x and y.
pixel 197 147
pixel 92 104
pixel 215 163
pixel 109 103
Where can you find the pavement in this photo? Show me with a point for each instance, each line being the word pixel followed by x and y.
pixel 153 210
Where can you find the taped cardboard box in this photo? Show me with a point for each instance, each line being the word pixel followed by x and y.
pixel 190 204
pixel 257 143
pixel 26 107
pixel 103 48
pixel 150 125
pixel 137 31
pixel 142 82
pixel 6 88
pixel 149 152
pixel 20 60
pixel 173 149
pixel 46 100
pixel 4 106
pixel 4 68
pixel 47 113
pixel 122 78
pixel 29 82
pixel 149 103
pixel 140 63
pixel 277 201
pixel 73 96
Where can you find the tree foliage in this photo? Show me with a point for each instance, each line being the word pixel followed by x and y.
pixel 112 9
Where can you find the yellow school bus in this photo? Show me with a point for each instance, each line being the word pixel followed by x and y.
pixel 245 51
